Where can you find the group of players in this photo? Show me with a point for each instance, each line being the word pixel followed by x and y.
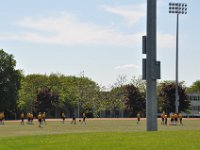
pixel 62 115
pixel 41 118
pixel 174 118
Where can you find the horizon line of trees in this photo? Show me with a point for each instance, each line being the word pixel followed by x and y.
pixel 56 92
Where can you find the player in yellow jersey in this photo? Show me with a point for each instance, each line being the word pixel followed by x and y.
pixel 22 118
pixel 180 116
pixel 162 118
pixel 172 118
pixel 29 117
pixel 1 118
pixel 165 119
pixel 175 118
pixel 138 118
pixel 44 117
pixel 84 117
pixel 40 119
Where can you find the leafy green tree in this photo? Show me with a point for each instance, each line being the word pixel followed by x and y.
pixel 47 100
pixel 76 93
pixel 30 85
pixel 167 97
pixel 9 82
pixel 102 102
pixel 195 87
pixel 139 83
pixel 87 95
pixel 72 92
pixel 135 100
pixel 116 99
pixel 121 80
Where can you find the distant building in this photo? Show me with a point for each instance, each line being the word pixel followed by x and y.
pixel 194 105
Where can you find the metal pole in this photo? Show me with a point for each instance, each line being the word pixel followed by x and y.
pixel 78 110
pixel 177 42
pixel 151 92
pixel 177 8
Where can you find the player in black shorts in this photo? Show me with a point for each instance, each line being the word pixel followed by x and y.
pixel 63 117
pixel 84 117
pixel 44 117
pixel 138 118
pixel 22 118
pixel 73 119
pixel 40 119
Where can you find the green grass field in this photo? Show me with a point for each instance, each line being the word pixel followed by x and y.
pixel 99 135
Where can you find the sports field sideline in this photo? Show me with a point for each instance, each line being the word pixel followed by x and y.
pixel 90 119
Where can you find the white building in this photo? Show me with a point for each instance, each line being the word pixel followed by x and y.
pixel 195 104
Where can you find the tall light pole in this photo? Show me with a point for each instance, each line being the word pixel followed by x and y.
pixel 177 8
pixel 151 67
pixel 81 93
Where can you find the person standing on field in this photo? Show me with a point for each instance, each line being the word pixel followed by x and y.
pixel 138 118
pixel 175 118
pixel 165 119
pixel 40 119
pixel 31 117
pixel 44 117
pixel 162 118
pixel 172 118
pixel 2 116
pixel 22 118
pixel 180 116
pixel 84 117
pixel 63 117
pixel 73 119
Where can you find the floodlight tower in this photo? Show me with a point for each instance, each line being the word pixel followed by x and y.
pixel 177 8
pixel 151 67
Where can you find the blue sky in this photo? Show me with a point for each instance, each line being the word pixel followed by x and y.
pixel 100 37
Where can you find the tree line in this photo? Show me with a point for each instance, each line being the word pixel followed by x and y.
pixel 57 92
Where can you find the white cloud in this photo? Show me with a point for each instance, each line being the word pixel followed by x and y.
pixel 165 40
pixel 127 66
pixel 132 13
pixel 67 29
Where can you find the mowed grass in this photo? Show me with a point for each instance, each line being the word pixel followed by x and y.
pixel 99 135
